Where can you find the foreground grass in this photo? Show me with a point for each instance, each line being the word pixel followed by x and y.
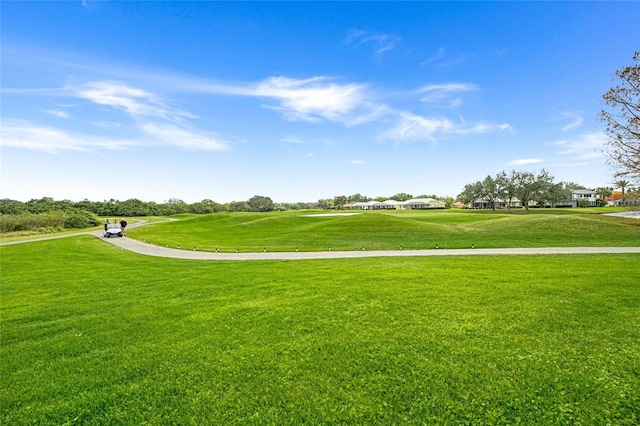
pixel 94 334
pixel 286 231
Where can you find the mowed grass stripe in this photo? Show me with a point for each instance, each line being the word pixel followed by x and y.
pixel 95 334
pixel 286 231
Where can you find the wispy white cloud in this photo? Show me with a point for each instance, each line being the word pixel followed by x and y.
pixel 158 123
pixel 135 102
pixel 525 161
pixel 587 146
pixel 175 136
pixel 478 128
pixel 381 42
pixel 293 140
pixel 411 127
pixel 435 57
pixel 26 135
pixel 358 162
pixel 57 113
pixel 313 98
pixel 442 60
pixel 576 121
pixel 445 93
pixel 448 88
pixel 108 124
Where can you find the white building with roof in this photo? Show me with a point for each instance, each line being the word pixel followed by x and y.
pixel 577 195
pixel 422 203
pixel 413 204
pixel 375 205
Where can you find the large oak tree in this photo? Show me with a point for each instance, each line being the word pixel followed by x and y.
pixel 621 118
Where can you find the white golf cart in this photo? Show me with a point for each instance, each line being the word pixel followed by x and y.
pixel 112 230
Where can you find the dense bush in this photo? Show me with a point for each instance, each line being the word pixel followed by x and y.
pixel 49 221
pixel 8 206
pixel 29 221
pixel 80 219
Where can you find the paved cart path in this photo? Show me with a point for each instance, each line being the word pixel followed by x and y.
pixel 153 250
pixel 159 251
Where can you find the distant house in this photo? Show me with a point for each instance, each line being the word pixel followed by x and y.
pixel 460 205
pixel 391 204
pixel 583 194
pixel 499 204
pixel 375 205
pixel 422 203
pixel 590 196
pixel 615 199
pixel 577 195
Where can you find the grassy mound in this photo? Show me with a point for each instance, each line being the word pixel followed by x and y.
pixel 389 231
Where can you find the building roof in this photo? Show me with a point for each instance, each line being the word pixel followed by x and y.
pixel 422 201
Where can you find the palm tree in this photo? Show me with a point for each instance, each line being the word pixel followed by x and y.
pixel 622 184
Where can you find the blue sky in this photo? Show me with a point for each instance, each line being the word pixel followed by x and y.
pixel 302 100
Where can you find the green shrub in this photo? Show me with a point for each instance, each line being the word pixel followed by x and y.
pixel 80 219
pixel 51 221
pixel 29 221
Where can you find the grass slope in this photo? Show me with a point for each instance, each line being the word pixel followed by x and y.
pixel 94 334
pixel 286 231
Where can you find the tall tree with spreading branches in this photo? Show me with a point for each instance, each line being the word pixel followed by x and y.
pixel 621 118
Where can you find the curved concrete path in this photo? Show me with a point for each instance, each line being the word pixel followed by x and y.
pixel 152 250
pixel 159 251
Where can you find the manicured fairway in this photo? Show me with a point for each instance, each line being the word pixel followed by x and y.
pixel 94 334
pixel 286 231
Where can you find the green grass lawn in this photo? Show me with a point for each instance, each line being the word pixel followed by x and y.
pixel 94 334
pixel 286 231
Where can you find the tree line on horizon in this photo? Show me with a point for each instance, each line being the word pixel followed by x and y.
pixel 134 207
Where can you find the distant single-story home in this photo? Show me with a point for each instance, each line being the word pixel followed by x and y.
pixel 375 205
pixel 499 204
pixel 416 203
pixel 422 203
pixel 615 199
